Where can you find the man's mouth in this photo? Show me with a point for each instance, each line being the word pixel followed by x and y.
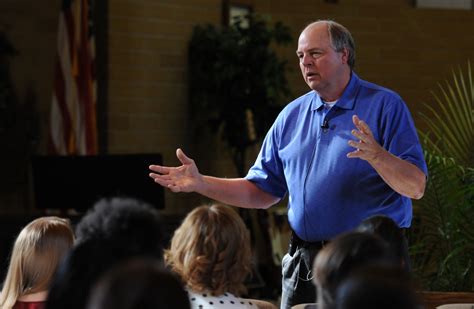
pixel 311 75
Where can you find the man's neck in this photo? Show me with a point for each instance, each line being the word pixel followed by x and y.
pixel 339 86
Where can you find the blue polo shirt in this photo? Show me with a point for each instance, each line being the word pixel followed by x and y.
pixel 328 192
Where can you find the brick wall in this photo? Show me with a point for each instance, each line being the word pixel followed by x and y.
pixel 398 46
pixel 148 84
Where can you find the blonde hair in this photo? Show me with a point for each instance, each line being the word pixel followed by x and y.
pixel 210 251
pixel 35 256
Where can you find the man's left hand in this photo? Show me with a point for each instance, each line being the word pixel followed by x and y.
pixel 367 147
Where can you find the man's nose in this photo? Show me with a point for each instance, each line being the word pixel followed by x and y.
pixel 307 60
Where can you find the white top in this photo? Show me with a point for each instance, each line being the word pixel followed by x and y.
pixel 225 301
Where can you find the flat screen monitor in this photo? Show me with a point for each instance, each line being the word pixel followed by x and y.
pixel 77 182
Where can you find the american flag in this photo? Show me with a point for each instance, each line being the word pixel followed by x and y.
pixel 73 124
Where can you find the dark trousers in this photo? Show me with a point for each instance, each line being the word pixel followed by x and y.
pixel 297 273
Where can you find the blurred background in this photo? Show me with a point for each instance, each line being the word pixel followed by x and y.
pixel 146 98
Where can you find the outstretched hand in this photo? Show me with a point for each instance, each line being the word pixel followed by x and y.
pixel 367 147
pixel 184 178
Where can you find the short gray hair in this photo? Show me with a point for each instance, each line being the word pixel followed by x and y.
pixel 340 38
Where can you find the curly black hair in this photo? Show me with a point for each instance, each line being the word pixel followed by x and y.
pixel 114 230
pixel 126 225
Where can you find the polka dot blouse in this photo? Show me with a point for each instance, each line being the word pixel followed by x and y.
pixel 227 300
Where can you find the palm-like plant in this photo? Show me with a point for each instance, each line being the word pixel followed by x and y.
pixel 443 231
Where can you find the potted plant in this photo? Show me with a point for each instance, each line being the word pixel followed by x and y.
pixel 237 82
pixel 442 237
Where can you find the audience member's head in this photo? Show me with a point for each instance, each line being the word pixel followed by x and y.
pixel 389 231
pixel 341 256
pixel 119 221
pixel 114 230
pixel 375 287
pixel 37 251
pixel 210 251
pixel 138 283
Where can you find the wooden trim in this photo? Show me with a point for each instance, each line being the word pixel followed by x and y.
pixel 431 300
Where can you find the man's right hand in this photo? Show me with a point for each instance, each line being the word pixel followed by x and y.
pixel 184 178
pixel 232 191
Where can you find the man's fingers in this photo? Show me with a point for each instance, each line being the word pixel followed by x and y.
pixel 160 176
pixel 365 128
pixel 165 182
pixel 355 120
pixel 358 123
pixel 159 180
pixel 182 157
pixel 159 169
pixel 361 125
pixel 354 154
pixel 359 135
pixel 358 145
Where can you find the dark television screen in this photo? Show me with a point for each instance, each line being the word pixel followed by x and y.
pixel 77 182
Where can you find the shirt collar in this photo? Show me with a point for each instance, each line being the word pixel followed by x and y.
pixel 346 101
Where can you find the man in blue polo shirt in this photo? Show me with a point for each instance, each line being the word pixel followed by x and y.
pixel 343 152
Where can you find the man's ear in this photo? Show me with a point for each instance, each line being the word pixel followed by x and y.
pixel 344 55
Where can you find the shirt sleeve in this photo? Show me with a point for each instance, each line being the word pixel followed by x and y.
pixel 400 137
pixel 267 172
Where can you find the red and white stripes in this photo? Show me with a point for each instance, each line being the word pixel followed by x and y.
pixel 73 124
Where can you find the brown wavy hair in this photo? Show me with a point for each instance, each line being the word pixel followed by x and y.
pixel 210 251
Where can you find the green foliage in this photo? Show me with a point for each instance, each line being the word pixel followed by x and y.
pixel 443 231
pixel 237 81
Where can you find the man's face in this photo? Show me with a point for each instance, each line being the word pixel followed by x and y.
pixel 320 64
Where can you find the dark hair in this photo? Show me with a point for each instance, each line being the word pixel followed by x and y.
pixel 114 230
pixel 119 221
pixel 341 38
pixel 138 283
pixel 374 287
pixel 388 230
pixel 341 256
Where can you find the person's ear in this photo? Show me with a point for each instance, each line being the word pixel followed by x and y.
pixel 344 55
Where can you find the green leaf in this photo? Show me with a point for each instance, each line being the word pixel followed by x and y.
pixel 443 231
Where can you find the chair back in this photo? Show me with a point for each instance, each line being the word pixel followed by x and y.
pixel 305 306
pixel 456 306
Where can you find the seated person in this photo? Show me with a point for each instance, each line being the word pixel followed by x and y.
pixel 114 230
pixel 389 231
pixel 374 287
pixel 341 256
pixel 37 251
pixel 138 283
pixel 210 251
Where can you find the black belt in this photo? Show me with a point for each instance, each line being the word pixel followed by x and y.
pixel 296 242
